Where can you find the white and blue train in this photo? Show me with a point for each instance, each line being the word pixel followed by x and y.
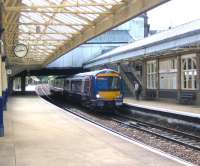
pixel 98 88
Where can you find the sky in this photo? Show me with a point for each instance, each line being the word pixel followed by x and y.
pixel 174 13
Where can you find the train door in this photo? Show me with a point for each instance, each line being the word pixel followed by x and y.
pixel 86 89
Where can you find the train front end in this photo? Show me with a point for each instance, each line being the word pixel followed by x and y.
pixel 108 90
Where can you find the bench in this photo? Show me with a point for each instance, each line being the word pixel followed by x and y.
pixel 187 98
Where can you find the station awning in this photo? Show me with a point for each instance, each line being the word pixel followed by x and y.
pixel 51 28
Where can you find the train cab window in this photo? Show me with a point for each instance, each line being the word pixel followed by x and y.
pixel 108 83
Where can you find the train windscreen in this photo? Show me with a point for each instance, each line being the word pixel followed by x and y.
pixel 108 83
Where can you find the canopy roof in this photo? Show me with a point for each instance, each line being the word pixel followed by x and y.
pixel 50 28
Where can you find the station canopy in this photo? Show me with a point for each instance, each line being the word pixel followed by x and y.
pixel 50 28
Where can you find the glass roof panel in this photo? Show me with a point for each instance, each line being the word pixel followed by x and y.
pixel 44 25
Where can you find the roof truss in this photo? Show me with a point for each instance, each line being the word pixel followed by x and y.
pixel 51 28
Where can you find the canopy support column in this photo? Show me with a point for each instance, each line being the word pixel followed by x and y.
pixel 1 103
pixel 10 85
pixel 23 83
pixel 1 99
pixel 4 85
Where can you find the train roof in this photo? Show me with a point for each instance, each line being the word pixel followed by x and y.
pixel 91 73
pixel 60 77
pixel 94 73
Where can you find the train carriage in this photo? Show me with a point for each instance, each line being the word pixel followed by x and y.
pixel 100 88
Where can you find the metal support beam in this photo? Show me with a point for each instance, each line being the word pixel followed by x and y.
pixel 157 78
pixel 178 80
pixel 23 83
pixel 62 6
pixel 144 79
pixel 60 11
pixel 10 85
pixel 198 78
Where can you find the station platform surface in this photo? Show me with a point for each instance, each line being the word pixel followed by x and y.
pixel 40 134
pixel 190 110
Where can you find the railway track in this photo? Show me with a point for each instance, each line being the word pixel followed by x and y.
pixel 170 134
pixel 180 144
pixel 173 135
pixel 179 137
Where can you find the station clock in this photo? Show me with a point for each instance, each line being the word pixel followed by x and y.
pixel 20 50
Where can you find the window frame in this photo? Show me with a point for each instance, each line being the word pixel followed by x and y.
pixel 168 70
pixel 151 74
pixel 191 72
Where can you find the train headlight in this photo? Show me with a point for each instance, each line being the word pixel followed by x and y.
pixel 120 96
pixel 98 96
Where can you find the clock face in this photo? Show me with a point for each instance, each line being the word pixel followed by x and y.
pixel 21 50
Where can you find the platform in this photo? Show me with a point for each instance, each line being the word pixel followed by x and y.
pixel 190 110
pixel 40 134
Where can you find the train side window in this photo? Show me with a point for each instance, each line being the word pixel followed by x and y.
pixel 59 83
pixel 66 85
pixel 55 83
pixel 62 83
pixel 87 86
pixel 73 85
pixel 76 85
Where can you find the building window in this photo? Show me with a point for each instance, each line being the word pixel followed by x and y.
pixel 168 73
pixel 151 74
pixel 189 72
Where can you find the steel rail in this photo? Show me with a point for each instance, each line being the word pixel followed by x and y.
pixel 164 132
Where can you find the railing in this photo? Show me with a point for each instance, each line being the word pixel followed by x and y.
pixel 131 69
pixel 127 81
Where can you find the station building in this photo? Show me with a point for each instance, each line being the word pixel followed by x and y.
pixel 174 76
pixel 165 64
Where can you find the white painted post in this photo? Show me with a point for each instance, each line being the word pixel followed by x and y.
pixel 4 84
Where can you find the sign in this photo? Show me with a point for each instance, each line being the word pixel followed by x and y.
pixel 20 50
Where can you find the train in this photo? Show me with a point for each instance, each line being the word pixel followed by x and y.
pixel 94 89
